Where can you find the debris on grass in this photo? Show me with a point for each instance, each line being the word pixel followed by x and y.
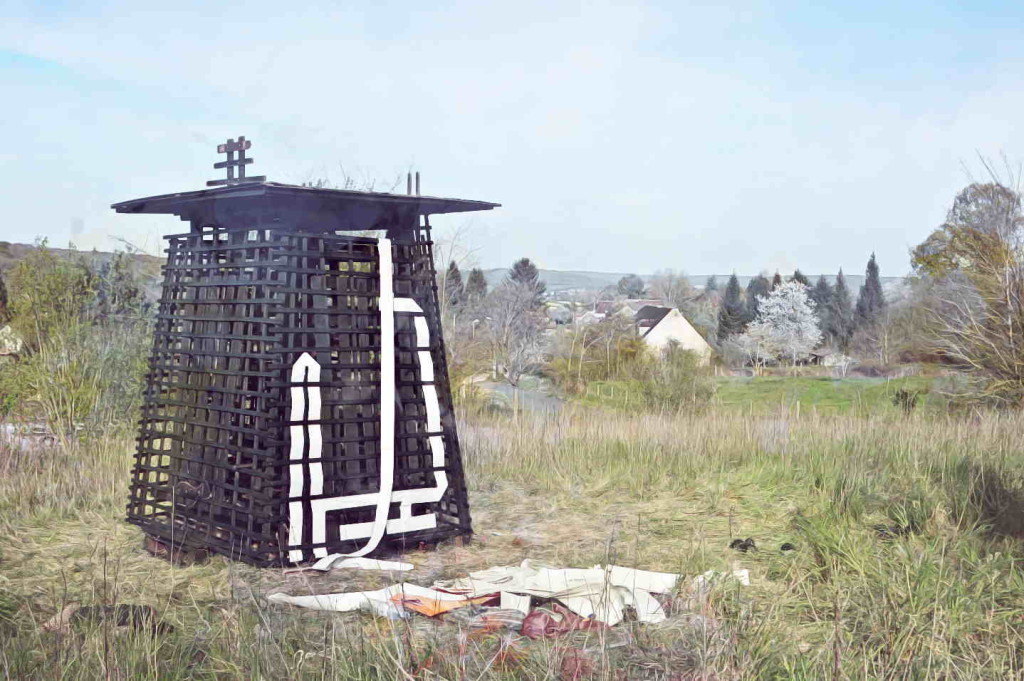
pixel 380 602
pixel 553 620
pixel 432 607
pixel 572 598
pixel 601 593
pixel 701 585
pixel 743 545
pixel 486 619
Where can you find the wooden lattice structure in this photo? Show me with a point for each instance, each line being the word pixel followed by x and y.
pixel 297 403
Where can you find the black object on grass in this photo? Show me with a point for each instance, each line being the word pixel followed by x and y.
pixel 743 545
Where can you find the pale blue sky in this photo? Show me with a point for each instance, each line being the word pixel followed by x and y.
pixel 619 136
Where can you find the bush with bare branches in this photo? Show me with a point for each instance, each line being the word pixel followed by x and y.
pixel 975 262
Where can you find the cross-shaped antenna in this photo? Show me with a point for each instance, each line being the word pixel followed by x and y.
pixel 229 148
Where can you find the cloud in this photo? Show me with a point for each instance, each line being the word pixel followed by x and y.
pixel 618 136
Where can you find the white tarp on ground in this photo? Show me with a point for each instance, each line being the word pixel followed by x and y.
pixel 378 602
pixel 602 592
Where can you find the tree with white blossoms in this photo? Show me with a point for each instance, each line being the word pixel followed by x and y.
pixel 786 325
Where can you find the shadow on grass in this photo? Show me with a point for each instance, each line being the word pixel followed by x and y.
pixel 990 497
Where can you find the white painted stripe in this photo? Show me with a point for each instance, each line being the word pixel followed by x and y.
pixel 386 304
pixel 426 366
pixel 433 408
pixel 316 451
pixel 313 392
pixel 295 529
pixel 297 442
pixel 298 402
pixel 307 370
pixel 295 478
pixel 422 332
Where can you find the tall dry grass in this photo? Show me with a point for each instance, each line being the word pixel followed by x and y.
pixel 907 534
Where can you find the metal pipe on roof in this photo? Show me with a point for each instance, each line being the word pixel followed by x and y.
pixel 417 183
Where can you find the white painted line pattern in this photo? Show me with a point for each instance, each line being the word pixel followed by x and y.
pixel 307 372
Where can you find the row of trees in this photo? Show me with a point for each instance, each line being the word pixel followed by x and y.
pixel 721 314
pixel 836 316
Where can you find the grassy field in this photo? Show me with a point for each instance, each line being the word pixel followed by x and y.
pixel 907 561
pixel 866 396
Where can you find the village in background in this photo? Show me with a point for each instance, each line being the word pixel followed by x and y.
pixel 556 335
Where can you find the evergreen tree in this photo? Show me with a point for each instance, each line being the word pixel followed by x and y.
pixel 757 288
pixel 476 285
pixel 776 280
pixel 821 294
pixel 4 314
pixel 871 300
pixel 840 313
pixel 732 312
pixel 525 272
pixel 454 289
pixel 711 285
pixel 800 277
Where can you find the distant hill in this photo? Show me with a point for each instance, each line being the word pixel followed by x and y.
pixel 559 280
pixel 564 280
pixel 556 280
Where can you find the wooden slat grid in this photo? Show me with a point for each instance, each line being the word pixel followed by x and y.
pixel 238 308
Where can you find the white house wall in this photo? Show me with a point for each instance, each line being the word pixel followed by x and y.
pixel 674 326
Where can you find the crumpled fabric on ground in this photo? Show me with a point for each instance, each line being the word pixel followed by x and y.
pixel 553 620
pixel 601 593
pixel 487 619
pixel 432 607
pixel 380 602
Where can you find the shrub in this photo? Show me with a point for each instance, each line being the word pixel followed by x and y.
pixel 906 399
pixel 86 333
pixel 675 381
pixel 608 350
pixel 49 294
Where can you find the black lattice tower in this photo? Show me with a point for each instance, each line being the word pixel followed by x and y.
pixel 297 403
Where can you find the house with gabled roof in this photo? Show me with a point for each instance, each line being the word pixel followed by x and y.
pixel 659 326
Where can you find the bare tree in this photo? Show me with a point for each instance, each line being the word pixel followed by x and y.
pixel 753 348
pixel 673 288
pixel 976 263
pixel 514 329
